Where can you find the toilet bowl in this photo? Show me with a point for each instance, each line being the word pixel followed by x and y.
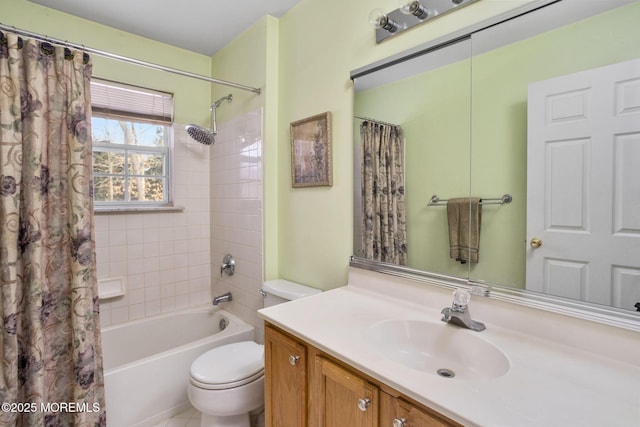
pixel 227 383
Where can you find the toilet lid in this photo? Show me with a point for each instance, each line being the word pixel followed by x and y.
pixel 229 365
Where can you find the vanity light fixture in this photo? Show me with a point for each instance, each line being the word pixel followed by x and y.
pixel 409 14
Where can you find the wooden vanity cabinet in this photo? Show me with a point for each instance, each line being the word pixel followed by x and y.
pixel 306 387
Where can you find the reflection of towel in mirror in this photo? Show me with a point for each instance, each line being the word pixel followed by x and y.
pixel 464 215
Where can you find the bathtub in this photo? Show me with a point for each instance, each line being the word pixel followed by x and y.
pixel 146 362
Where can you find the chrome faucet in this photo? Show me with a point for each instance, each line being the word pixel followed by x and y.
pixel 458 314
pixel 222 298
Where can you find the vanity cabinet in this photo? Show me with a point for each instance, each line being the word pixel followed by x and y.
pixel 306 387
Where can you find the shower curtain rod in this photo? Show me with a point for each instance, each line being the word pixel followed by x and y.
pixel 380 122
pixel 127 59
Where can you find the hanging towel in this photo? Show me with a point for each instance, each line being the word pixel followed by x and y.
pixel 464 215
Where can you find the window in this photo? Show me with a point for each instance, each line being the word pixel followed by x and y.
pixel 132 129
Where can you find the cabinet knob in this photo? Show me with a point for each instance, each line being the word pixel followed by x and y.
pixel 400 422
pixel 293 359
pixel 363 404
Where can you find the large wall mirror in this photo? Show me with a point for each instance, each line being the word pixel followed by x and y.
pixel 533 121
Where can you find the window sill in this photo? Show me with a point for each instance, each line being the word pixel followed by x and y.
pixel 107 210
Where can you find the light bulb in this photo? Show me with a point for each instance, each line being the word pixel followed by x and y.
pixel 378 19
pixel 414 8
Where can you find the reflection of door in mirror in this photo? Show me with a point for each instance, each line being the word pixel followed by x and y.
pixel 583 185
pixel 501 77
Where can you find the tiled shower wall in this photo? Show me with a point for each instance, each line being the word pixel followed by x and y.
pixel 236 209
pixel 163 256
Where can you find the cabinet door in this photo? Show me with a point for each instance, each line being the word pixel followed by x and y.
pixel 396 412
pixel 285 380
pixel 346 399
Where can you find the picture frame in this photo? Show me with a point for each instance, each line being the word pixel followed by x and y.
pixel 311 163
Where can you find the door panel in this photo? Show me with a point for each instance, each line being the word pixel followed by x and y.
pixel 342 393
pixel 285 381
pixel 583 194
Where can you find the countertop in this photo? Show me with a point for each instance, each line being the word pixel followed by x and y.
pixel 550 382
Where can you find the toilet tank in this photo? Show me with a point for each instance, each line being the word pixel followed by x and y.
pixel 280 290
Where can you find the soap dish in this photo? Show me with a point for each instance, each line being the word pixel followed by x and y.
pixel 111 287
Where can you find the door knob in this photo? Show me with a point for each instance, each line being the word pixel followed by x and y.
pixel 535 243
pixel 399 422
pixel 363 404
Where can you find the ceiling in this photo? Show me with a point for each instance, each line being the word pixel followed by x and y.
pixel 202 26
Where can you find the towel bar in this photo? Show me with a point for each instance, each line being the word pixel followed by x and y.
pixel 506 198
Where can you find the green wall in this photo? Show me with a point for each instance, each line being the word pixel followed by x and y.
pixel 192 99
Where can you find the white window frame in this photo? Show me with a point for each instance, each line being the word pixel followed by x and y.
pixel 117 101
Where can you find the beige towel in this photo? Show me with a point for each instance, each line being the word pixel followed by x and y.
pixel 465 217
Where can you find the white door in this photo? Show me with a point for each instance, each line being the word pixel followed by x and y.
pixel 583 185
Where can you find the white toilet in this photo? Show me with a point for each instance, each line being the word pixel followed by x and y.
pixel 227 383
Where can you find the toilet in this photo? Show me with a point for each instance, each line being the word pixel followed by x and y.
pixel 226 383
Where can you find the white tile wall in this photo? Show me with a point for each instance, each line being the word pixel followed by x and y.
pixel 164 256
pixel 236 209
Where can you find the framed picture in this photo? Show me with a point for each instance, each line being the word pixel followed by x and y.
pixel 311 151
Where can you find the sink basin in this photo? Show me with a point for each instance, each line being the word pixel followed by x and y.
pixel 438 349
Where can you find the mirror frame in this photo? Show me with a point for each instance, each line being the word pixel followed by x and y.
pixel 574 308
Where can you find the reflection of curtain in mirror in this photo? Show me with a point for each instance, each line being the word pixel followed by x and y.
pixel 384 223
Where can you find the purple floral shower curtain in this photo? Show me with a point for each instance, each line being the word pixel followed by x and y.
pixel 383 202
pixel 50 346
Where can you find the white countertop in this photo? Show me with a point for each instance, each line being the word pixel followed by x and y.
pixel 549 382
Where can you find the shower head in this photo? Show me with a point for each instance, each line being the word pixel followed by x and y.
pixel 206 136
pixel 200 134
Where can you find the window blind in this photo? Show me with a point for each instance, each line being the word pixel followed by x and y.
pixel 123 101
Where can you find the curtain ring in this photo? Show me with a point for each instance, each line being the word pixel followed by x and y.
pixel 85 56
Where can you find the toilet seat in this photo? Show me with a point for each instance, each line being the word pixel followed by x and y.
pixel 228 366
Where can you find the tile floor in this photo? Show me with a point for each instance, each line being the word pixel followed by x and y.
pixel 187 418
pixel 191 418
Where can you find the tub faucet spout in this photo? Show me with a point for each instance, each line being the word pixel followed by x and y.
pixel 222 298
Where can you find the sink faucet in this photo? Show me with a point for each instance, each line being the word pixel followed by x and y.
pixel 222 298
pixel 458 314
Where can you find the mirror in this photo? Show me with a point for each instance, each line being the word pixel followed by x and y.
pixel 475 107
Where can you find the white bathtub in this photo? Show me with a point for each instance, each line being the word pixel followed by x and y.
pixel 146 362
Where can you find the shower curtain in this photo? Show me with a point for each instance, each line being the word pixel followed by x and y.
pixel 383 203
pixel 50 346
